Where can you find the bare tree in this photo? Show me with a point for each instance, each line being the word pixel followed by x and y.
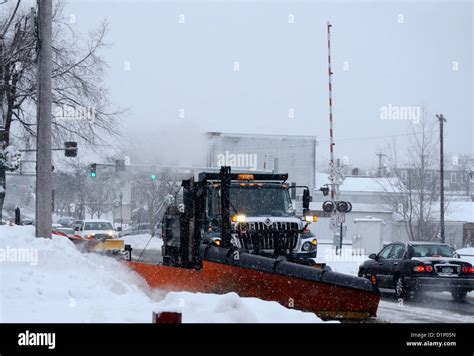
pixel 81 109
pixel 465 164
pixel 150 195
pixel 415 185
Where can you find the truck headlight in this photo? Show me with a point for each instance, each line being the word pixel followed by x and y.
pixel 307 246
pixel 238 218
pixel 310 245
pixel 311 218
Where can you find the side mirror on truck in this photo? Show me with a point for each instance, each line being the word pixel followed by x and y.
pixel 306 199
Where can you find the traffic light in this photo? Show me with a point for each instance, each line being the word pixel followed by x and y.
pixel 70 149
pixel 153 176
pixel 93 172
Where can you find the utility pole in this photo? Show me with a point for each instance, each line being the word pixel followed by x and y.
pixel 2 121
pixel 441 120
pixel 380 172
pixel 43 138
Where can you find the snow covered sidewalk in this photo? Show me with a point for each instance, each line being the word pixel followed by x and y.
pixel 49 280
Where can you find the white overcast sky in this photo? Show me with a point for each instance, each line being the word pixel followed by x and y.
pixel 283 66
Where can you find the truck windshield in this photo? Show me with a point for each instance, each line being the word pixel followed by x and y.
pixel 267 200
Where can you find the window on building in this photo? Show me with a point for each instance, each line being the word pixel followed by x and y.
pixel 454 177
pixel 404 176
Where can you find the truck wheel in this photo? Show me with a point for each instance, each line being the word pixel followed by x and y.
pixel 459 294
pixel 401 290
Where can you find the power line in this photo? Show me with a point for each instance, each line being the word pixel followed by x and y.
pixel 374 137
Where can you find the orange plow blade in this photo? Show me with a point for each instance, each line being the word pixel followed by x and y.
pixel 330 295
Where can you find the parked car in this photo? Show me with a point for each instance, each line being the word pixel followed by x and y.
pixel 410 267
pixel 137 229
pixel 98 229
pixel 66 221
pixel 65 230
pixel 76 225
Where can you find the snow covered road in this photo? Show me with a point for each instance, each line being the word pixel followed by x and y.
pixel 429 308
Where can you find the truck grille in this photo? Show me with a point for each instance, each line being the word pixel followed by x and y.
pixel 261 226
pixel 257 236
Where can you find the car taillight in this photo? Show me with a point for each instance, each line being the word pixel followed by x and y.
pixel 468 270
pixel 423 268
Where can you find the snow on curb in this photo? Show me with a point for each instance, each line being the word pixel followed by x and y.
pixel 49 280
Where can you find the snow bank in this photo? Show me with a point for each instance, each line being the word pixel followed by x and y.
pixel 49 280
pixel 467 254
pixel 230 308
pixel 140 241
pixel 59 284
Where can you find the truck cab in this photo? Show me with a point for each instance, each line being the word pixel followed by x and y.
pixel 261 217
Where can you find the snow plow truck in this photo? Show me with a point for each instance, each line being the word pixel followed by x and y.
pixel 235 232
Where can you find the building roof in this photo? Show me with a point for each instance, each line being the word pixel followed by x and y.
pixel 459 211
pixel 230 134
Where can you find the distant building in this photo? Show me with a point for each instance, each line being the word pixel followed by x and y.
pixel 295 155
pixel 456 181
pixel 368 196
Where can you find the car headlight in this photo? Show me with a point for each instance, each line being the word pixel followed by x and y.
pixel 110 233
pixel 91 235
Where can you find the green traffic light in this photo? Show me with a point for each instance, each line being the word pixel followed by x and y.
pixel 153 177
pixel 93 174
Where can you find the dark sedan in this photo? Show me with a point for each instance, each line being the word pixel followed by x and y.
pixel 418 266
